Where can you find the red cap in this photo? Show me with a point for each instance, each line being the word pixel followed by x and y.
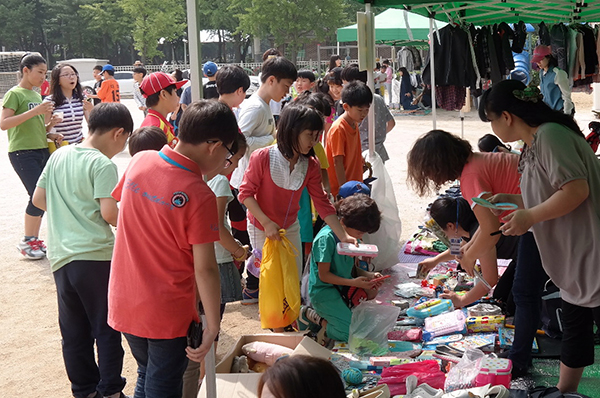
pixel 540 53
pixel 157 81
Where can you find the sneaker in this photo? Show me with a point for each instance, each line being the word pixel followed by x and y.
pixel 249 296
pixel 307 317
pixel 30 249
pixel 41 244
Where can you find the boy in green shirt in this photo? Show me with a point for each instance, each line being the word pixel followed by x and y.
pixel 75 189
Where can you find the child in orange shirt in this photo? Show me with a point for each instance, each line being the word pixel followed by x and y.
pixel 342 144
pixel 109 90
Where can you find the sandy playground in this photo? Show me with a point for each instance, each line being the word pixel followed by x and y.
pixel 30 348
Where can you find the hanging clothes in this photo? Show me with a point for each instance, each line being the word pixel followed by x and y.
pixel 559 43
pixel 417 61
pixel 450 98
pixel 520 37
pixel 506 34
pixel 454 66
pixel 544 34
pixel 405 59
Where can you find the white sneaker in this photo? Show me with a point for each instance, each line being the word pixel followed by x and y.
pixel 31 249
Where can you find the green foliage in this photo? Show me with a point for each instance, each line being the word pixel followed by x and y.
pixel 292 23
pixel 153 19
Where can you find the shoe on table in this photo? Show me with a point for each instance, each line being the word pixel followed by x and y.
pixel 249 296
pixel 30 249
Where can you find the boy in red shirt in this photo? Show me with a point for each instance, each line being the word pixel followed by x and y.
pixel 164 252
pixel 160 91
pixel 342 144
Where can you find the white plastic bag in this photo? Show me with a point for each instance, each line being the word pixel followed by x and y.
pixel 387 238
pixel 463 374
pixel 369 327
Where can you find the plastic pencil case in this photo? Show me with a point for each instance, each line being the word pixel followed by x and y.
pixel 430 308
pixel 482 324
pixel 494 371
pixel 443 324
pixel 363 250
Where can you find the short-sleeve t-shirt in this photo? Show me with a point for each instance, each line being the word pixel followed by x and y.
pixel 109 91
pixel 324 251
pixel 256 122
pixel 209 91
pixel 382 117
pixel 76 229
pixel 569 245
pixel 31 134
pixel 71 126
pixel 343 140
pixel 220 186
pixel 490 172
pixel 165 210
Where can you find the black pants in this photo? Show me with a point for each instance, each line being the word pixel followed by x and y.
pixel 82 288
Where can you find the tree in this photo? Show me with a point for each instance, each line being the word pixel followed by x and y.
pixel 292 23
pixel 107 29
pixel 153 19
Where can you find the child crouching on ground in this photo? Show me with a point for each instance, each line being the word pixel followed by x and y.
pixel 334 277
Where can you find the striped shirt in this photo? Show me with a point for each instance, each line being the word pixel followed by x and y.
pixel 70 127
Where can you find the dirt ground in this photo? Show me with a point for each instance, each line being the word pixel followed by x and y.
pixel 30 348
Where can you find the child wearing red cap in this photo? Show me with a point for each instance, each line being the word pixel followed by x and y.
pixel 160 91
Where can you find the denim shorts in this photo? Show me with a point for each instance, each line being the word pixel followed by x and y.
pixel 29 164
pixel 231 283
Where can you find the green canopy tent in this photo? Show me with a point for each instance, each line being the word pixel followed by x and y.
pixel 394 27
pixel 485 12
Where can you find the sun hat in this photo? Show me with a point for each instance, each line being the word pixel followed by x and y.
pixel 157 81
pixel 107 67
pixel 353 187
pixel 209 68
pixel 540 53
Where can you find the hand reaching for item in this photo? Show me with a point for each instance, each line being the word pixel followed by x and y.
pixel 363 282
pixel 457 300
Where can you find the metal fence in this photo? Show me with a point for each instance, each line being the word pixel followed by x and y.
pixel 7 81
pixel 252 68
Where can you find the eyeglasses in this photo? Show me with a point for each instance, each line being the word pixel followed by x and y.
pixel 228 161
pixel 69 75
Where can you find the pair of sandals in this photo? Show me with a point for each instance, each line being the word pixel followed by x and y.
pixel 426 391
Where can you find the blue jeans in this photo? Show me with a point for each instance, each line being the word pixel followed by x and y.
pixel 29 165
pixel 527 289
pixel 82 289
pixel 161 364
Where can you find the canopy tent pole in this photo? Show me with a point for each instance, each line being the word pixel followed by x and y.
pixel 195 48
pixel 432 69
pixel 371 84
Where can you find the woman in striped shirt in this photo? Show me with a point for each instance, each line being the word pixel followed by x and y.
pixel 68 98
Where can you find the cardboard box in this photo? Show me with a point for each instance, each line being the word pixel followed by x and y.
pixel 245 385
pixel 290 340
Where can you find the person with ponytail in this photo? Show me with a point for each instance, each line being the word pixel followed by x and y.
pixel 560 202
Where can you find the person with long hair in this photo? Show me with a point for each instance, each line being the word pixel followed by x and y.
pixel 560 202
pixel 406 90
pixel 334 62
pixel 23 117
pixel 68 98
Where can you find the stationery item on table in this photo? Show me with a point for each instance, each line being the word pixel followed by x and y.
pixel 445 339
pixel 506 337
pixel 430 308
pixel 484 310
pixel 494 371
pixel 364 250
pixel 474 341
pixel 443 324
pixel 480 324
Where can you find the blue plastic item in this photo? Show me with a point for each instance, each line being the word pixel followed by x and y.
pixel 429 308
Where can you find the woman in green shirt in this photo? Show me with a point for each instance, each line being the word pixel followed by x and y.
pixel 23 116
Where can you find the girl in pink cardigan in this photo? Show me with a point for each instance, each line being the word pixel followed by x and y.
pixel 276 177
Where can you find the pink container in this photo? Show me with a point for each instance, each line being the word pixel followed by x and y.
pixel 494 371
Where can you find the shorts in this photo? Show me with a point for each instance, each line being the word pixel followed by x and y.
pixel 577 350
